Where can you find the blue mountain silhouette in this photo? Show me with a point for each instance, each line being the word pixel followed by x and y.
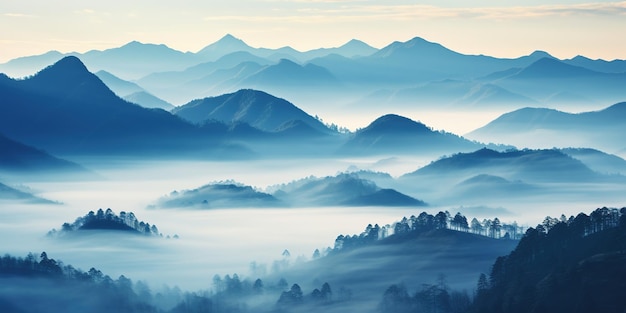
pixel 391 134
pixel 257 108
pixel 65 108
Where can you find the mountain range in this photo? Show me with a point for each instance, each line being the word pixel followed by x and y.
pixel 541 127
pixel 341 190
pixel 403 71
pixel 67 110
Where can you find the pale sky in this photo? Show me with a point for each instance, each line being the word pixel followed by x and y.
pixel 499 28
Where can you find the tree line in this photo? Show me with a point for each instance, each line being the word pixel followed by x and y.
pixel 425 222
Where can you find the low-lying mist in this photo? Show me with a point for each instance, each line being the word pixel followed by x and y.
pixel 222 241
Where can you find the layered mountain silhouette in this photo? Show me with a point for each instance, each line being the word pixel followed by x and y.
pixel 354 69
pixel 601 129
pixel 392 134
pixel 257 108
pixel 66 109
pixel 119 86
pixel 219 195
pixel 598 161
pixel 547 77
pixel 447 94
pixel 341 190
pixel 523 165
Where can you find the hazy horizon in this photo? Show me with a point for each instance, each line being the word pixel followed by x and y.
pixel 584 28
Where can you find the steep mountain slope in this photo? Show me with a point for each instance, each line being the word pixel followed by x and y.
pixel 547 77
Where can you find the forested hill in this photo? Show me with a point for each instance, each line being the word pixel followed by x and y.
pixel 575 265
pixel 108 220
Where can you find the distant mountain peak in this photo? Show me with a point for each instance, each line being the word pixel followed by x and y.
pixel 67 65
pixel 225 45
pixel 541 54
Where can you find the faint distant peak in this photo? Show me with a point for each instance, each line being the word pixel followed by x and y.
pixel 226 44
pixel 541 54
pixel 229 38
pixel 355 43
pixel 413 46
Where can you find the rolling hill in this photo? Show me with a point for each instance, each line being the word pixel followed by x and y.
pixel 341 190
pixel 218 195
pixel 393 134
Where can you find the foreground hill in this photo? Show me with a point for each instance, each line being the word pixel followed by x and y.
pixel 601 129
pixel 417 255
pixel 575 265
pixel 488 177
pixel 392 134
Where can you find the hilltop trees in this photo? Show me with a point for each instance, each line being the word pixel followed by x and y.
pixel 108 220
pixel 425 222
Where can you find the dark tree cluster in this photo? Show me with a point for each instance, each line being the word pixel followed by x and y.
pixel 437 298
pixel 575 264
pixel 49 281
pixel 108 220
pixel 425 222
pixel 296 298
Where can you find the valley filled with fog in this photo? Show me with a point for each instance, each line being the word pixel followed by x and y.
pixel 211 183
